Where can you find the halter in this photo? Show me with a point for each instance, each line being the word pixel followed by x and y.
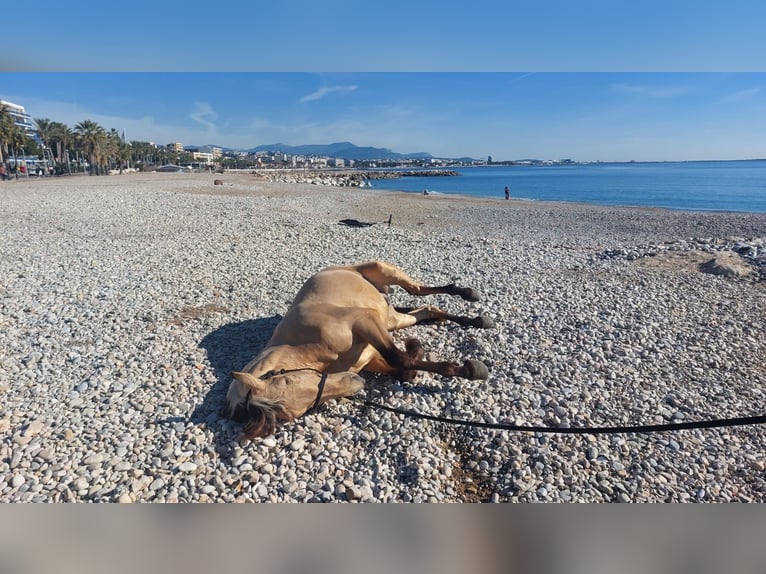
pixel 320 389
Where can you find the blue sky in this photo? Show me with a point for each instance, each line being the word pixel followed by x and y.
pixel 395 35
pixel 616 116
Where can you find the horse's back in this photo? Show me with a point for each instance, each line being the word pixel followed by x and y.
pixel 341 287
pixel 326 308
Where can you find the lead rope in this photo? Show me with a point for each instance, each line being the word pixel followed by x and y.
pixel 716 423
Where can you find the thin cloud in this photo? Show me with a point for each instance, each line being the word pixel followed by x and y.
pixel 204 114
pixel 649 91
pixel 146 128
pixel 521 77
pixel 740 96
pixel 324 91
pixel 267 131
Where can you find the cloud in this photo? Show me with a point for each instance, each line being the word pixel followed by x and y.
pixel 146 128
pixel 322 92
pixel 521 77
pixel 740 95
pixel 267 131
pixel 204 114
pixel 649 91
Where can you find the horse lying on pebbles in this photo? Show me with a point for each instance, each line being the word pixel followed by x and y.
pixel 338 325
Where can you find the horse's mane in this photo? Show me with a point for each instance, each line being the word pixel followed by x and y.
pixel 264 415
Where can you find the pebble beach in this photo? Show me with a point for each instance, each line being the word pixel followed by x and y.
pixel 126 301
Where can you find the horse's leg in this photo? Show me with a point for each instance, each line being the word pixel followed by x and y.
pixel 415 351
pixel 383 274
pixel 377 364
pixel 370 328
pixel 401 317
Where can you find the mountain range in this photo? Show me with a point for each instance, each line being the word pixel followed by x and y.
pixel 342 150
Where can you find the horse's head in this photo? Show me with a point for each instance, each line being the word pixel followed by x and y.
pixel 263 402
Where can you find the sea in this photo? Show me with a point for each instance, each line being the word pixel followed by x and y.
pixel 689 186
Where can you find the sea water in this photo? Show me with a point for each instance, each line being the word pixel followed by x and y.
pixel 696 186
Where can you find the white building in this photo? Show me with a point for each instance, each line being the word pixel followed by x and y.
pixel 202 156
pixel 214 151
pixel 21 118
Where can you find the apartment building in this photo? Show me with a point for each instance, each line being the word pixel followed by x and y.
pixel 21 118
pixel 215 152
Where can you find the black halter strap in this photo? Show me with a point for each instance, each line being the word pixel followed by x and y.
pixel 320 389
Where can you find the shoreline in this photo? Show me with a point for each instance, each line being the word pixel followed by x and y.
pixel 128 300
pixel 243 179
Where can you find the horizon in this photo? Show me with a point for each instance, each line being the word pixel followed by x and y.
pixel 585 117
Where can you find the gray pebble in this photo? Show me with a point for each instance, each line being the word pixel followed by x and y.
pixel 127 303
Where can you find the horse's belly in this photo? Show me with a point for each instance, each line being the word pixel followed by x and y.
pixel 354 359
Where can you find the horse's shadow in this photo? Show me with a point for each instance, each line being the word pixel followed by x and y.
pixel 229 348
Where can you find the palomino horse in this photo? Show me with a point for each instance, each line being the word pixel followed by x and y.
pixel 337 326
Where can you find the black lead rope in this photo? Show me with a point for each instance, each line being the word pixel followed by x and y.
pixel 717 423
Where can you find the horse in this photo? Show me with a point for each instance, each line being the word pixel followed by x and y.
pixel 338 325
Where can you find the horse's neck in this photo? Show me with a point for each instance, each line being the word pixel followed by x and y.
pixel 284 357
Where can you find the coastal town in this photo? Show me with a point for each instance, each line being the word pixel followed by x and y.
pixel 40 146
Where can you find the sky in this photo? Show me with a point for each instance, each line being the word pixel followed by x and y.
pixel 395 35
pixel 587 80
pixel 614 116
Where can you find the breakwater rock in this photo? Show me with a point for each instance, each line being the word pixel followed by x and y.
pixel 345 178
pixel 385 174
pixel 330 178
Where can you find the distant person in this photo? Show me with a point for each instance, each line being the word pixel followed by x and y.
pixel 3 172
pixel 507 193
pixel 425 192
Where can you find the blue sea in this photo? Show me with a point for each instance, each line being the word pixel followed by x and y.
pixel 694 186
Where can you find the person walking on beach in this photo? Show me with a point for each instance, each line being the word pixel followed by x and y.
pixel 507 193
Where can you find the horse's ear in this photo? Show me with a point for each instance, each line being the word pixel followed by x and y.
pixel 248 380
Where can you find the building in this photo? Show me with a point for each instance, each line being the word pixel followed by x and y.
pixel 202 156
pixel 21 119
pixel 215 152
pixel 175 146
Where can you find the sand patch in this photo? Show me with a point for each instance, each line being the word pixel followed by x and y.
pixel 723 263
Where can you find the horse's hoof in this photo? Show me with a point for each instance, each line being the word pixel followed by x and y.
pixel 414 348
pixel 469 294
pixel 483 322
pixel 475 369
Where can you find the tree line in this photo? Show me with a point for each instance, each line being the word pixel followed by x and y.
pixel 104 150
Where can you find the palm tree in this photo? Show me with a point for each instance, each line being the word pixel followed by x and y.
pixel 43 127
pixel 7 131
pixel 63 137
pixel 45 131
pixel 141 152
pixel 92 138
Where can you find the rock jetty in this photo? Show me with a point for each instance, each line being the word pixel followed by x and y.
pixel 356 178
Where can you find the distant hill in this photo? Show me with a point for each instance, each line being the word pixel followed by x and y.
pixel 342 150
